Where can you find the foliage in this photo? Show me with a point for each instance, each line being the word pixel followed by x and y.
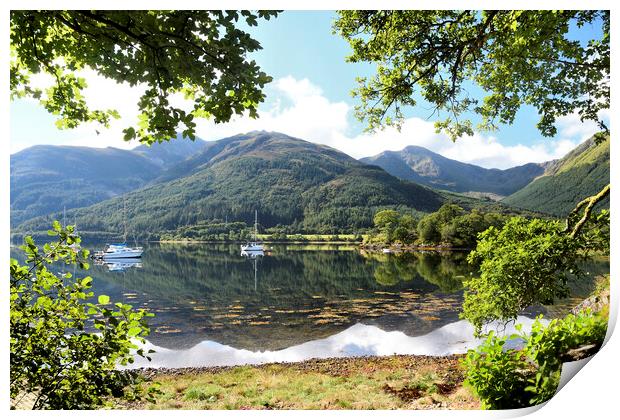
pixel 64 348
pixel 430 226
pixel 508 378
pixel 499 377
pixel 525 262
pixel 450 225
pixel 517 57
pixel 394 227
pixel 198 53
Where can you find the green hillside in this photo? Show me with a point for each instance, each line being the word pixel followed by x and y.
pixel 291 182
pixel 46 179
pixel 581 173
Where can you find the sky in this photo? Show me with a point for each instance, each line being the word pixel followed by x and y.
pixel 309 98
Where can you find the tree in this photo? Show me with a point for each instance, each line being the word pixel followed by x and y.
pixel 528 262
pixel 525 262
pixel 517 57
pixel 65 350
pixel 200 54
pixel 387 221
pixel 431 225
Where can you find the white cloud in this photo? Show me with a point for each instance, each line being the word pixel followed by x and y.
pixel 311 116
pixel 300 108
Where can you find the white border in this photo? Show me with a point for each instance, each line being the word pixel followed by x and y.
pixel 592 393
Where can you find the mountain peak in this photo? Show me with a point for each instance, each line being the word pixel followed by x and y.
pixel 418 164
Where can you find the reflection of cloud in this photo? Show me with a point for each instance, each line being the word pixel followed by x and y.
pixel 358 340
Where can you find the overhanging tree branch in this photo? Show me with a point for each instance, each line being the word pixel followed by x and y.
pixel 589 204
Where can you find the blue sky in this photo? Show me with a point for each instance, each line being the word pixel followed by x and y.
pixel 310 98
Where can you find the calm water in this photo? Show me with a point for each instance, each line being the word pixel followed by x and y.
pixel 215 307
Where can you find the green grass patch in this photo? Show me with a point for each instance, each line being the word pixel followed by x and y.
pixel 374 383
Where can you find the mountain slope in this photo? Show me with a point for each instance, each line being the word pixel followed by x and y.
pixel 170 153
pixel 420 165
pixel 581 173
pixel 288 181
pixel 46 179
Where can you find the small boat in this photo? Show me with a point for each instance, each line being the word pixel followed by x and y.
pixel 116 251
pixel 120 250
pixel 387 251
pixel 253 246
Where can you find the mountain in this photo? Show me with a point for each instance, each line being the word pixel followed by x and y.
pixel 169 153
pixel 420 165
pixel 46 179
pixel 287 180
pixel 581 173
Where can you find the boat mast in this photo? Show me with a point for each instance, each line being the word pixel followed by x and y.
pixel 255 225
pixel 124 221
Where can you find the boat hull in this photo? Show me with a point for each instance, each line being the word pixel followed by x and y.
pixel 137 253
pixel 252 248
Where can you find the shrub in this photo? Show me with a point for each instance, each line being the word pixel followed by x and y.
pixel 64 349
pixel 507 378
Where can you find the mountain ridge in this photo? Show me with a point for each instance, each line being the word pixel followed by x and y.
pixel 288 180
pixel 582 172
pixel 418 164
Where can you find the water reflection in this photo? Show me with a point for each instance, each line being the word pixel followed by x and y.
pixel 253 256
pixel 357 340
pixel 294 295
pixel 119 264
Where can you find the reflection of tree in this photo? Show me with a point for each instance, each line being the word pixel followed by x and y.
pixel 446 270
pixel 395 268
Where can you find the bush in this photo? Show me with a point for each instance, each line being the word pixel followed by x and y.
pixel 64 349
pixel 505 378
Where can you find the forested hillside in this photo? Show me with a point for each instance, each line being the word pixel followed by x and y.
pixel 46 179
pixel 291 182
pixel 581 173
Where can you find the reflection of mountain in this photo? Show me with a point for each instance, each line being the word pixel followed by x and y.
pixel 207 293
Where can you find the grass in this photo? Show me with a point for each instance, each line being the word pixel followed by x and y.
pixel 405 382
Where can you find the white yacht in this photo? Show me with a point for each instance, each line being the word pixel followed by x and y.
pixel 120 250
pixel 253 246
pixel 115 251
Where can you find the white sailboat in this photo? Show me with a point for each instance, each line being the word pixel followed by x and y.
pixel 120 250
pixel 253 246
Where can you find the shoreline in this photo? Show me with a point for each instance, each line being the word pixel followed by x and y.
pixel 315 362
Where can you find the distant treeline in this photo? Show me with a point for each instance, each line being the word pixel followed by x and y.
pixel 450 226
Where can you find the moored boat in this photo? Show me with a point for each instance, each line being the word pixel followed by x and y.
pixel 115 251
pixel 253 246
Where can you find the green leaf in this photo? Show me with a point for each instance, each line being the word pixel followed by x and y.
pixel 103 299
pixel 134 331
